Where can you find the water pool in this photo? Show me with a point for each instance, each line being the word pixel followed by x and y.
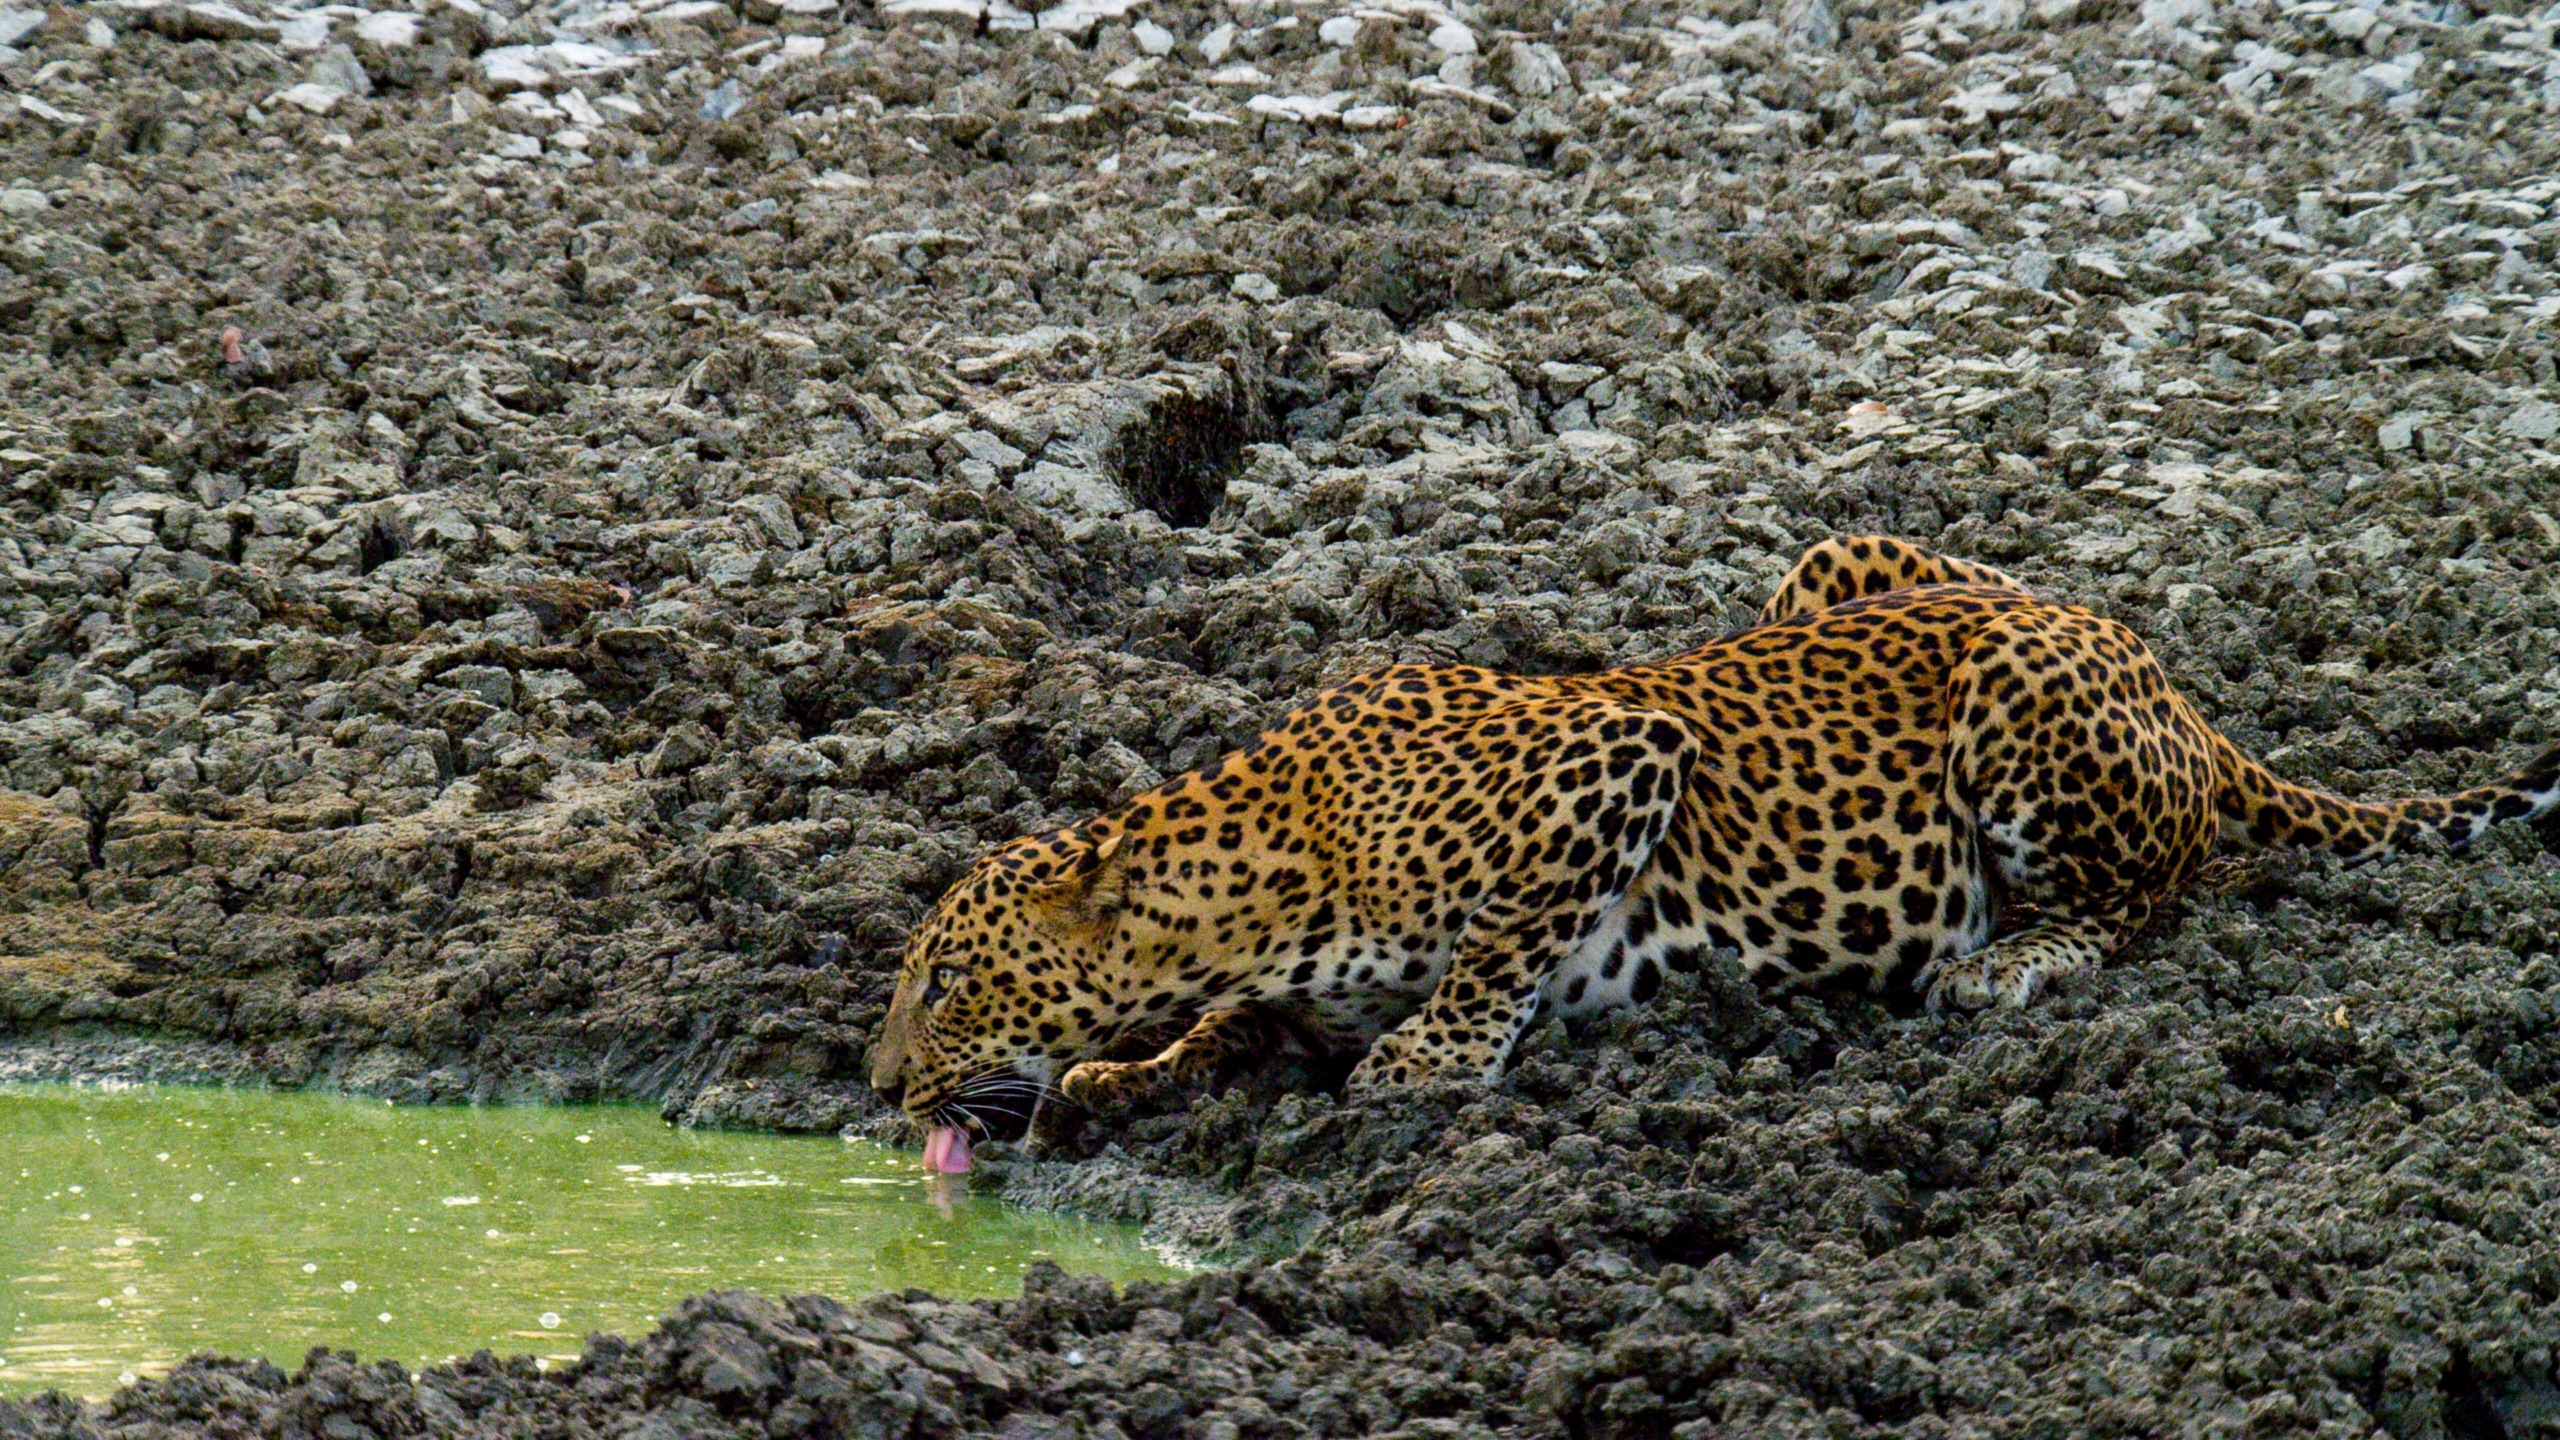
pixel 141 1225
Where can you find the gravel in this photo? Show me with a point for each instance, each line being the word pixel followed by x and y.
pixel 689 476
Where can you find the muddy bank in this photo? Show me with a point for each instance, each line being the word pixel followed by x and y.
pixel 688 477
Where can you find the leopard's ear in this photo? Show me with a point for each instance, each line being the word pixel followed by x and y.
pixel 1093 892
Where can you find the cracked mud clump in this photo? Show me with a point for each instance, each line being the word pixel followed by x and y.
pixel 538 540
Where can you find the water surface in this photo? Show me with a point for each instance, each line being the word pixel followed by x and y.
pixel 141 1225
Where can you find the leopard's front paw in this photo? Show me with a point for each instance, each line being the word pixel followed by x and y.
pixel 1108 1084
pixel 1958 981
pixel 1402 1058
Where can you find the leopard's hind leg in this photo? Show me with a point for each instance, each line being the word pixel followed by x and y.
pixel 2016 968
pixel 1849 567
pixel 2088 789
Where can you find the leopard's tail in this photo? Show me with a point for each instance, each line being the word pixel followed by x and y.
pixel 2263 810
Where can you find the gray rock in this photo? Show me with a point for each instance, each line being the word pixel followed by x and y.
pixel 771 514
pixel 2535 420
pixel 724 100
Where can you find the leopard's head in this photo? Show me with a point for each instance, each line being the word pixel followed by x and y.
pixel 1002 985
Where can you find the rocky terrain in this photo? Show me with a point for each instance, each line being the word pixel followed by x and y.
pixel 537 540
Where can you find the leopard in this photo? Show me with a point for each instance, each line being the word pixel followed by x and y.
pixel 1418 864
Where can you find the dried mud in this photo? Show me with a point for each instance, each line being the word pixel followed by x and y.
pixel 688 478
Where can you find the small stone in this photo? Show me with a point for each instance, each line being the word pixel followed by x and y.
pixel 2399 432
pixel 318 99
pixel 2535 420
pixel 1152 38
pixel 751 215
pixel 1564 378
pixel 1255 286
pixel 1215 45
pixel 1302 108
pixel 710 15
pixel 19 200
pixel 684 747
pixel 209 22
pixel 1811 24
pixel 728 99
pixel 990 451
pixel 1133 74
pixel 1451 38
pixel 494 685
pixel 1340 31
pixel 388 30
pixel 771 514
pixel 17 25
pixel 513 67
pixel 337 69
pixel 303 33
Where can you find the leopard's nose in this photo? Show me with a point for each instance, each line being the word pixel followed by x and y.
pixel 892 1089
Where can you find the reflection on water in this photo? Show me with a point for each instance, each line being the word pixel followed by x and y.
pixel 144 1224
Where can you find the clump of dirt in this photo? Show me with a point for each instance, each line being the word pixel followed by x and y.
pixel 539 539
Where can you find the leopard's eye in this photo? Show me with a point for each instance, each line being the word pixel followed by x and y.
pixel 940 983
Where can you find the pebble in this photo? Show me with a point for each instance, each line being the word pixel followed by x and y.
pixel 724 100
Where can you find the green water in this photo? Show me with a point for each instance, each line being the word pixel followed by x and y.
pixel 142 1225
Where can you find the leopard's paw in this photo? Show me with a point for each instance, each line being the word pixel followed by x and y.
pixel 1402 1058
pixel 1108 1084
pixel 1962 982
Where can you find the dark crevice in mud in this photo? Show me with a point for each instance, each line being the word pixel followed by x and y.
pixel 460 874
pixel 2468 1415
pixel 375 548
pixel 1178 460
pixel 98 814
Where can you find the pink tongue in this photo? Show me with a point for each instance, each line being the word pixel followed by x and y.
pixel 946 1151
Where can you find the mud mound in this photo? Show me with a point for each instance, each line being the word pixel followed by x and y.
pixel 539 539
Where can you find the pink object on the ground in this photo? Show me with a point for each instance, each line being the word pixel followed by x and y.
pixel 946 1151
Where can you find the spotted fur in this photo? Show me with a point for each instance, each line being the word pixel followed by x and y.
pixel 1427 859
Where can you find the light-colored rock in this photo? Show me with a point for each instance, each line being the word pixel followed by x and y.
pixel 2535 420
pixel 388 30
pixel 1451 38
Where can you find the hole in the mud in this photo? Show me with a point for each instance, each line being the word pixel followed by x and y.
pixel 97 816
pixel 2468 1415
pixel 375 548
pixel 1177 464
pixel 461 875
